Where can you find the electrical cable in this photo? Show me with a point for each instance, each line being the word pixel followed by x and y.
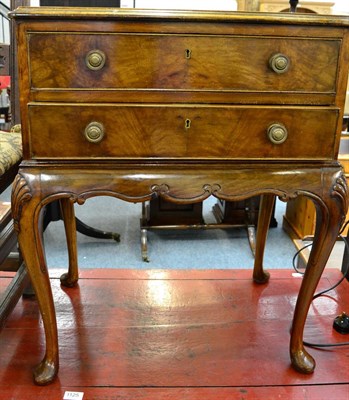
pixel 345 273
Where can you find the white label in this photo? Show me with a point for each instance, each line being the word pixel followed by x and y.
pixel 73 395
pixel 297 275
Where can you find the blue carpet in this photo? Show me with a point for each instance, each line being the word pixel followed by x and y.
pixel 175 249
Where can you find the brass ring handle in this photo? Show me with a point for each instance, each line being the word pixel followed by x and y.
pixel 94 132
pixel 277 133
pixel 95 60
pixel 279 63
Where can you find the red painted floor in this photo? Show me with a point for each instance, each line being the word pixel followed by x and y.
pixel 186 335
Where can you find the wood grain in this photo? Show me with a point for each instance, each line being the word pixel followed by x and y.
pixel 177 331
pixel 160 131
pixel 181 106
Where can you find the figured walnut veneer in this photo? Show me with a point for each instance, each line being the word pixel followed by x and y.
pixel 184 105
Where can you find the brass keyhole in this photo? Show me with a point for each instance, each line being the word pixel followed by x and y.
pixel 187 54
pixel 187 123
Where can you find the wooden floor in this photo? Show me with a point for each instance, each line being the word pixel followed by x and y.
pixel 184 335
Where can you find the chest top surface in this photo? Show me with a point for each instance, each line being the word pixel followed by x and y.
pixel 109 84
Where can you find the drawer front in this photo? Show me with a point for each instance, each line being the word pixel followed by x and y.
pixel 172 132
pixel 151 62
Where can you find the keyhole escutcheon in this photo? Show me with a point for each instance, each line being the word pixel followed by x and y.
pixel 187 123
pixel 187 54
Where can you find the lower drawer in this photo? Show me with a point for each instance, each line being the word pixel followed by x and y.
pixel 190 132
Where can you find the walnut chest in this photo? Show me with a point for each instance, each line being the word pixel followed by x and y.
pixel 203 89
pixel 181 105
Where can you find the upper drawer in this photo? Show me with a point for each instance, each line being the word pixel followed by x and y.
pixel 186 132
pixel 182 63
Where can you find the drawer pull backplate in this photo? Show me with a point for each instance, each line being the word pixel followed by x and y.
pixel 95 60
pixel 94 132
pixel 277 133
pixel 279 63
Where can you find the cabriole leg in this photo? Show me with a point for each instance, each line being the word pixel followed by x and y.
pixel 70 278
pixel 329 218
pixel 26 210
pixel 264 217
